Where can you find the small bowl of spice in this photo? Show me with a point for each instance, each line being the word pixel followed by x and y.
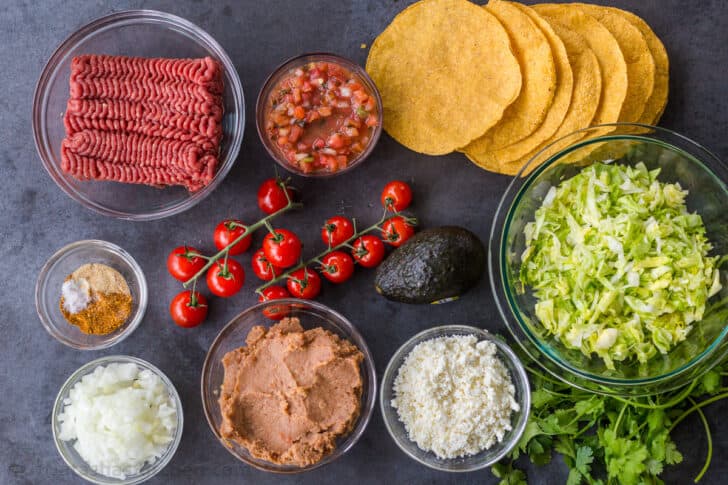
pixel 455 398
pixel 91 295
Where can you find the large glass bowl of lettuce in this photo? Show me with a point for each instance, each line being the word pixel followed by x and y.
pixel 607 259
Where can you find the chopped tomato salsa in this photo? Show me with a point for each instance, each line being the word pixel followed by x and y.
pixel 321 117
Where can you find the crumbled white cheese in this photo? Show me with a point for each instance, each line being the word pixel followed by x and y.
pixel 454 396
pixel 76 294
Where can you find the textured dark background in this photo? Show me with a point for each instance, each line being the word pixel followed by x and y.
pixel 36 218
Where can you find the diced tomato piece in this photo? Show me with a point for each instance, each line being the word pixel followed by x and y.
pixel 325 111
pixel 318 144
pixel 336 141
pixel 329 162
pixel 313 116
pixel 296 132
pixel 370 104
pixel 299 112
pixel 372 121
pixel 341 161
pixel 307 87
pixel 282 140
pixel 303 147
pixel 360 96
pixel 297 95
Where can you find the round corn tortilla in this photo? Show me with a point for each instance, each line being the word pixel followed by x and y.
pixel 605 47
pixel 584 103
pixel 533 52
pixel 554 117
pixel 446 74
pixel 657 101
pixel 640 64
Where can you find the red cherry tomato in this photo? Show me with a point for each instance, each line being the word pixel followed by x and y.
pixel 271 197
pixel 225 282
pixel 368 251
pixel 274 312
pixel 396 196
pixel 187 309
pixel 304 283
pixel 336 230
pixel 337 266
pixel 282 248
pixel 181 263
pixel 228 231
pixel 263 268
pixel 396 231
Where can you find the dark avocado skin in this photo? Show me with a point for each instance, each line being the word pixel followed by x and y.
pixel 434 264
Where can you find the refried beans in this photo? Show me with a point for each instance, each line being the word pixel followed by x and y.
pixel 290 393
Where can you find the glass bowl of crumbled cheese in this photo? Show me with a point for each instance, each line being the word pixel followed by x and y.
pixel 91 295
pixel 455 398
pixel 117 420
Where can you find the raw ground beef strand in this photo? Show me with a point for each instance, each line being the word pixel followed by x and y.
pixel 144 121
pixel 161 113
pixel 75 124
pixel 141 90
pixel 200 71
pixel 135 149
pixel 86 168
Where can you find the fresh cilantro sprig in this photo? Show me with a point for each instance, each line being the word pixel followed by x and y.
pixel 608 439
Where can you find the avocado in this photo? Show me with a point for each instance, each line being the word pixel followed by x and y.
pixel 434 265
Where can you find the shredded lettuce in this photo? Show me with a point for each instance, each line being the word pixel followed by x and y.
pixel 618 265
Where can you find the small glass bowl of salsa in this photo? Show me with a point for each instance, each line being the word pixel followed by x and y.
pixel 319 115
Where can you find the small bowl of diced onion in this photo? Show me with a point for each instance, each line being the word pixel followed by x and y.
pixel 117 420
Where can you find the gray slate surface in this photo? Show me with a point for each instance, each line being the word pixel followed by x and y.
pixel 37 218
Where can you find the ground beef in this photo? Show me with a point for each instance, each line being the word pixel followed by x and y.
pixel 75 124
pixel 87 168
pixel 150 121
pixel 204 71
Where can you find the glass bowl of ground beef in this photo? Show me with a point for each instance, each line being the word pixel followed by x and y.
pixel 288 386
pixel 56 271
pixel 455 398
pixel 131 139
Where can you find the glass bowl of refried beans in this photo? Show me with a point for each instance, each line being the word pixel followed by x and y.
pixel 288 386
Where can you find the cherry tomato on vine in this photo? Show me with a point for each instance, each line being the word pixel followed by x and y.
pixel 228 231
pixel 282 248
pixel 271 197
pixel 368 251
pixel 304 283
pixel 263 268
pixel 336 230
pixel 274 293
pixel 188 309
pixel 396 196
pixel 181 263
pixel 225 282
pixel 396 231
pixel 337 266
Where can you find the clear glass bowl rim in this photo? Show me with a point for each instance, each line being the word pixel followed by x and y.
pixel 367 409
pixel 482 334
pixel 63 51
pixel 85 369
pixel 519 184
pixel 106 246
pixel 273 78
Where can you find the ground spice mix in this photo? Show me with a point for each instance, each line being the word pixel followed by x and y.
pixel 107 303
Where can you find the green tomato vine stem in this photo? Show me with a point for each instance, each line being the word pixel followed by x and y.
pixel 223 253
pixel 317 259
